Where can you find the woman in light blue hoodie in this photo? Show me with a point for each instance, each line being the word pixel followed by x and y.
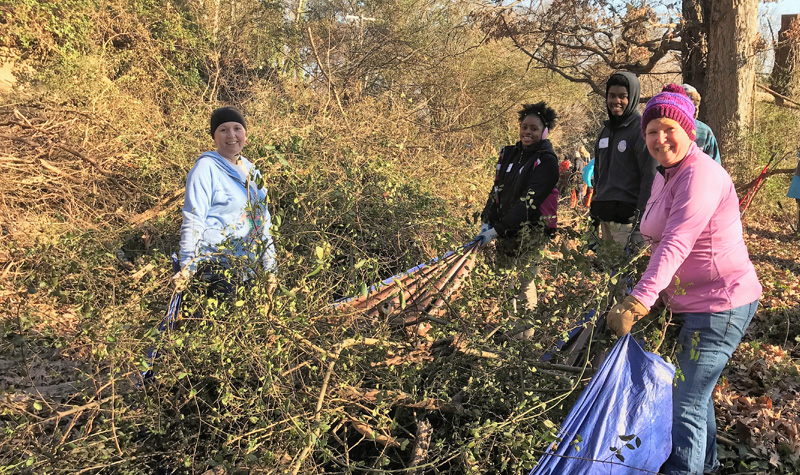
pixel 225 217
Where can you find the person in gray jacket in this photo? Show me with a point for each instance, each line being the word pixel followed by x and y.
pixel 705 136
pixel 624 169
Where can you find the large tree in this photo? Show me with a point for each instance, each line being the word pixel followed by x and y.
pixel 732 40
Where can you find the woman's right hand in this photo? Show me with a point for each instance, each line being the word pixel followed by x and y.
pixel 181 279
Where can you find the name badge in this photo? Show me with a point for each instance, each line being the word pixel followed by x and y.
pixel 603 143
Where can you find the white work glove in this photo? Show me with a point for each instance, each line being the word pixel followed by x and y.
pixel 486 237
pixel 484 227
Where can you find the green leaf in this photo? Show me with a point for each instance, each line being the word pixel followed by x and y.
pixel 315 271
pixel 38 406
pixel 360 263
pixel 320 252
pixel 239 303
pixel 402 299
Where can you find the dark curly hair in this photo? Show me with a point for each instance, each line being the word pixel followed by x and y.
pixel 546 114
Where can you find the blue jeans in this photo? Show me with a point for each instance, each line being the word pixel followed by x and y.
pixel 713 337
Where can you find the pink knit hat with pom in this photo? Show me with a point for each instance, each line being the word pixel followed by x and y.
pixel 671 103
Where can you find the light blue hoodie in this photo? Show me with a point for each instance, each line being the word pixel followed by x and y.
pixel 225 214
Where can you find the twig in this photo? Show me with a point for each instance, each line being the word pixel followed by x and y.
pixel 157 210
pixel 88 405
pixel 60 172
pixel 400 398
pixel 324 73
pixel 292 370
pixel 318 410
pixel 24 140
pixel 562 367
pixel 726 440
pixel 83 157
pixel 778 95
pixel 604 462
pixel 372 434
pixel 774 171
pixel 105 465
pixel 113 425
pixel 423 441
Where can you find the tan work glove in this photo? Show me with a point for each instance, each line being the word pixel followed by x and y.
pixel 623 315
pixel 181 279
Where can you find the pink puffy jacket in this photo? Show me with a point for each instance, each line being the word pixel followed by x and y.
pixel 699 262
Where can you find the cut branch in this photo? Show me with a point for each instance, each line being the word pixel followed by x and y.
pixel 157 210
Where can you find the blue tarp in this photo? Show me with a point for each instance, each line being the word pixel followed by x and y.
pixel 622 423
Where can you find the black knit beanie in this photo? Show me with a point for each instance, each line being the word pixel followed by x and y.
pixel 225 114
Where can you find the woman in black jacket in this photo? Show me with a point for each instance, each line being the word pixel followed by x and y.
pixel 524 195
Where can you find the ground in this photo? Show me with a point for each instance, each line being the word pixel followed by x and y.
pixel 49 359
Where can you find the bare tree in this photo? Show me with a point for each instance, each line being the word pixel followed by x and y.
pixel 584 41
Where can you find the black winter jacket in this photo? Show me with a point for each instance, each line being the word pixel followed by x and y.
pixel 623 171
pixel 523 180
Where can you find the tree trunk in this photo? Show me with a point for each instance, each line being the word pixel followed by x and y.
pixel 785 77
pixel 694 48
pixel 733 32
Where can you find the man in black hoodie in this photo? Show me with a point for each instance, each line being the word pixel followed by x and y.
pixel 624 169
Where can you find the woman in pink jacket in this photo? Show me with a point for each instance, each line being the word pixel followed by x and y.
pixel 699 267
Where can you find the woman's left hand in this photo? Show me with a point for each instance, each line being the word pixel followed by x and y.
pixel 623 315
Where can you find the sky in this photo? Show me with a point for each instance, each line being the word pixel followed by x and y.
pixel 787 6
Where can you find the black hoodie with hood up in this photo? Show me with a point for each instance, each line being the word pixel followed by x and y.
pixel 623 168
